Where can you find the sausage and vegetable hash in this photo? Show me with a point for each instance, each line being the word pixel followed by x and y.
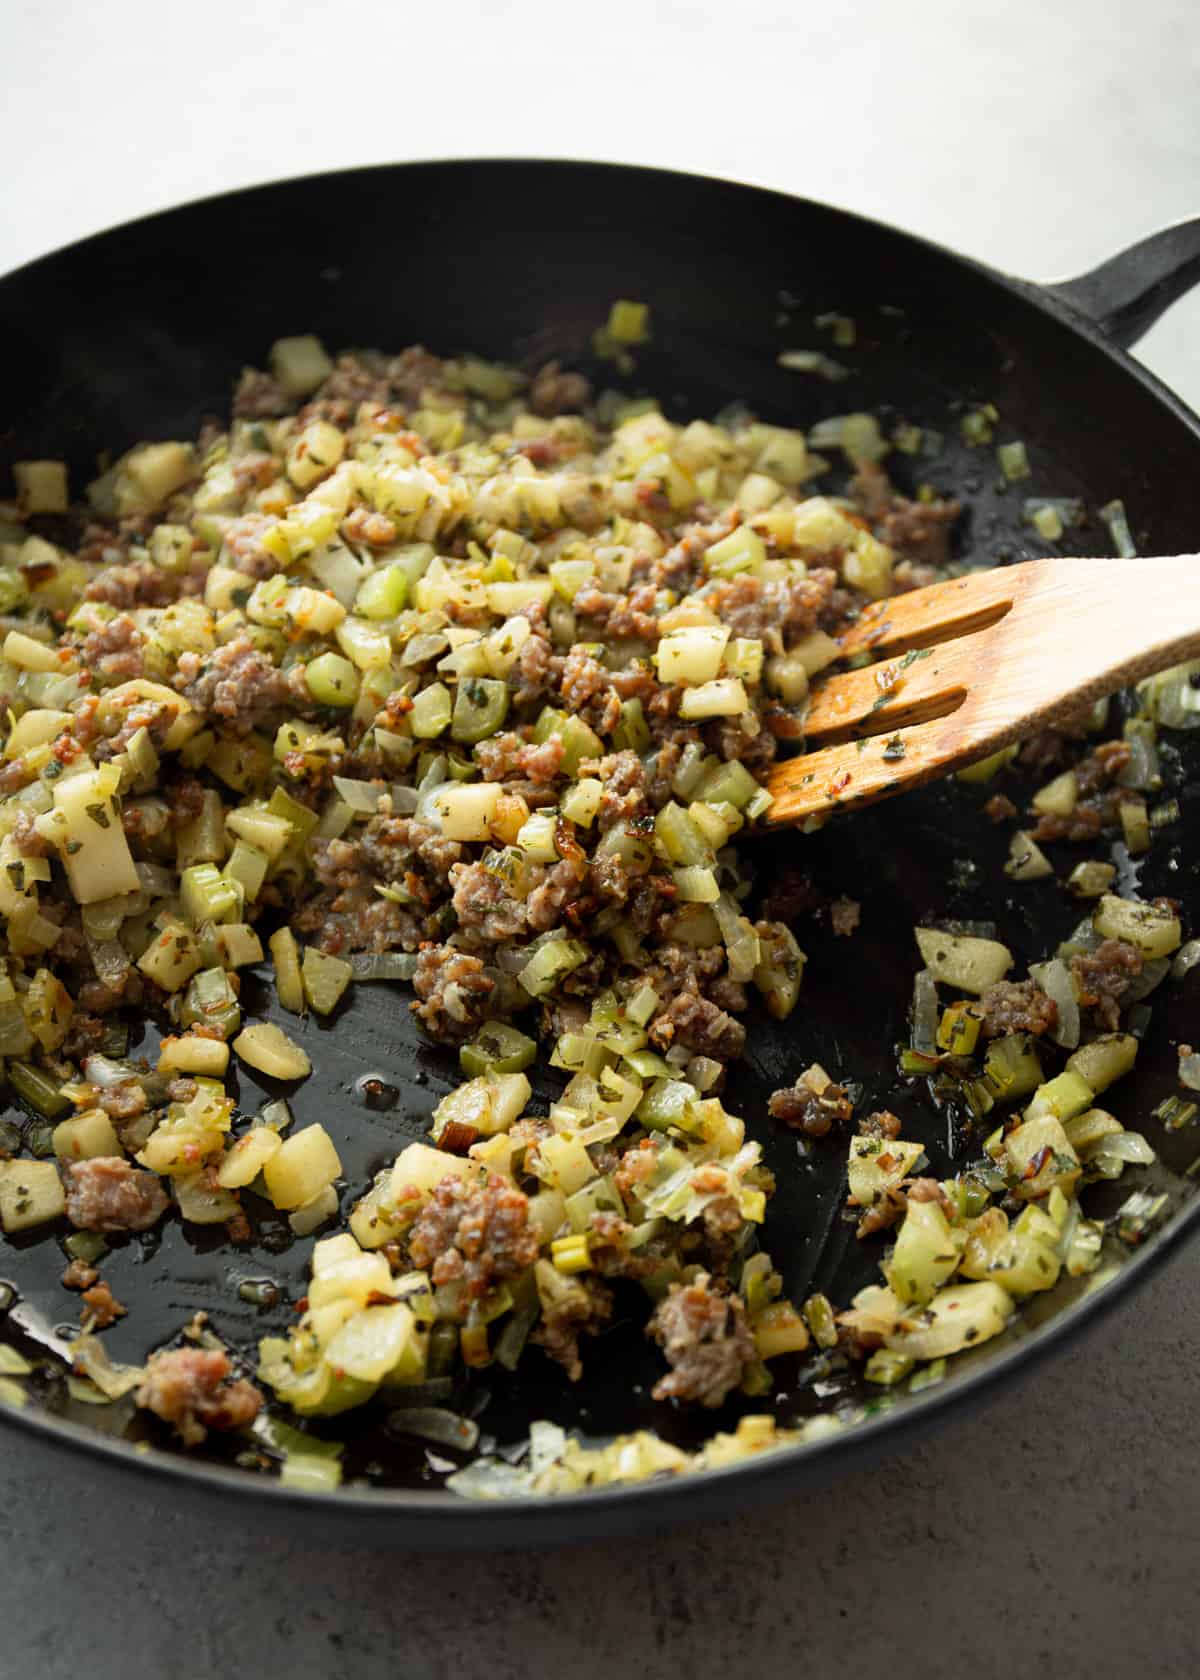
pixel 417 670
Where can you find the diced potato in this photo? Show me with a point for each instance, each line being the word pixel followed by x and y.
pixel 301 1167
pixel 421 1168
pixel 874 1311
pixel 960 960
pixel 1155 932
pixel 316 452
pixel 1026 1260
pixel 878 1164
pixel 562 1162
pixel 269 1050
pixel 31 1193
pixel 691 655
pixel 925 1256
pixel 248 1156
pixel 779 1329
pixel 180 1147
pixel 325 979
pixel 300 364
pixel 962 1316
pixel 41 486
pixel 85 826
pixel 869 565
pixel 787 676
pixel 238 944
pixel 468 809
pixel 191 1054
pixel 819 527
pixel 87 1136
pixel 1040 1157
pixel 1059 797
pixel 489 1104
pixel 172 957
pixel 373 1342
pixel 150 473
pixel 726 697
pixel 312 610
pixel 1104 1060
pixel 581 802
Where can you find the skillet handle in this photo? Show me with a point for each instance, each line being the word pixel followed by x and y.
pixel 1128 293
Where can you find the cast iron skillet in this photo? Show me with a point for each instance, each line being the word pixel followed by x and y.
pixel 139 332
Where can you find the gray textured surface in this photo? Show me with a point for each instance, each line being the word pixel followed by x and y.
pixel 1056 1532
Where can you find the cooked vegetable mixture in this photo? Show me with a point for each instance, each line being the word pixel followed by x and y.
pixel 420 671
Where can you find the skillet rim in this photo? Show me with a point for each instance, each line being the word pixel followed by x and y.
pixel 445 1520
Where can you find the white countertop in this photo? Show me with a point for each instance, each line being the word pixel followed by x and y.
pixel 1058 1530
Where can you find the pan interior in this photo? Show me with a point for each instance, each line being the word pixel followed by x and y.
pixel 120 339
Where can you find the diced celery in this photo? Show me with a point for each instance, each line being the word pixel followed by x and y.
pixel 550 964
pixel 1067 1095
pixel 1011 1066
pixel 247 868
pixel 480 708
pixel 958 1031
pixel 496 1048
pixel 332 680
pixel 431 712
pixel 926 1254
pixel 632 732
pixel 384 593
pixel 209 896
pixel 680 838
pixel 211 1001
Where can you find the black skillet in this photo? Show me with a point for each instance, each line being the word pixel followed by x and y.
pixel 140 332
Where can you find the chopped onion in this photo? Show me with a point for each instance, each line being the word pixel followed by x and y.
pixel 1186 959
pixel 362 797
pixel 1068 509
pixel 434 1423
pixel 1054 978
pixel 1113 515
pixel 113 1380
pixel 1143 771
pixel 1126 1148
pixel 813 361
pixel 404 799
pixel 1154 972
pixel 489 1478
pixel 99 1070
pixel 1189 1071
pixel 383 965
pixel 924 1013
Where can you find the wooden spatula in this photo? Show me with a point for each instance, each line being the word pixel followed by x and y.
pixel 963 668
